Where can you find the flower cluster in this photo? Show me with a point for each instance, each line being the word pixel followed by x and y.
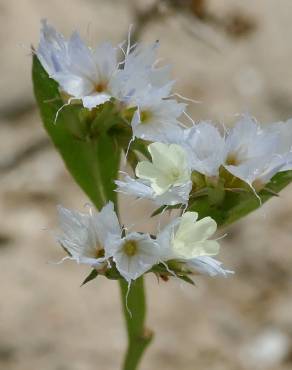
pixel 182 162
pixel 246 156
pixel 95 76
pixel 97 239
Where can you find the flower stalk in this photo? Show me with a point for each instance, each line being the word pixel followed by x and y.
pixel 134 309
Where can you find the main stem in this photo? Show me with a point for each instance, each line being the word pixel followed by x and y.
pixel 134 308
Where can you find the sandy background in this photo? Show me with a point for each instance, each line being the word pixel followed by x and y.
pixel 47 322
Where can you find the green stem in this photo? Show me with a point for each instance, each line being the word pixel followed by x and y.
pixel 134 309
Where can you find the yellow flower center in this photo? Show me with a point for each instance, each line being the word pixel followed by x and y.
pixel 232 160
pixel 99 252
pixel 100 87
pixel 130 248
pixel 145 116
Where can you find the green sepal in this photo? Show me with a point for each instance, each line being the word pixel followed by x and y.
pixel 113 273
pixel 92 275
pixel 161 209
pixel 106 116
pixel 186 279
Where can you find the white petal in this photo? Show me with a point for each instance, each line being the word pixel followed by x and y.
pixel 147 171
pixel 105 56
pixel 206 148
pixel 81 59
pixel 193 230
pixel 164 240
pixel 74 85
pixel 169 167
pixel 174 195
pixel 77 236
pixel 140 77
pixel 93 100
pixel 287 162
pixel 191 237
pixel 248 141
pixel 52 49
pixel 106 222
pixel 162 115
pixel 186 238
pixel 97 263
pixel 77 68
pixel 207 265
pixel 252 170
pixel 83 235
pixel 135 187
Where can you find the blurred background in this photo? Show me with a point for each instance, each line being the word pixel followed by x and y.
pixel 233 57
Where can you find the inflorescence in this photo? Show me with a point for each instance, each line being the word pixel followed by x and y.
pixel 181 162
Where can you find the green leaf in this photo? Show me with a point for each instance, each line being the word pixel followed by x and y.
pixel 92 161
pixel 93 275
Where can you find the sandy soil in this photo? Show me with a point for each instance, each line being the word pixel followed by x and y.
pixel 47 322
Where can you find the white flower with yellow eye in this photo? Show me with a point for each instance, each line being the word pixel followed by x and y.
pixel 83 234
pixel 250 151
pixel 154 117
pixel 133 255
pixel 81 72
pixel 94 75
pixel 169 167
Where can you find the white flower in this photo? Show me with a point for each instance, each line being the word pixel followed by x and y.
pixel 154 117
pixel 142 189
pixel 133 255
pixel 166 180
pixel 139 75
pixel 84 234
pixel 145 87
pixel 250 150
pixel 81 72
pixel 187 240
pixel 94 75
pixel 169 167
pixel 206 148
pixel 95 239
pixel 284 150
